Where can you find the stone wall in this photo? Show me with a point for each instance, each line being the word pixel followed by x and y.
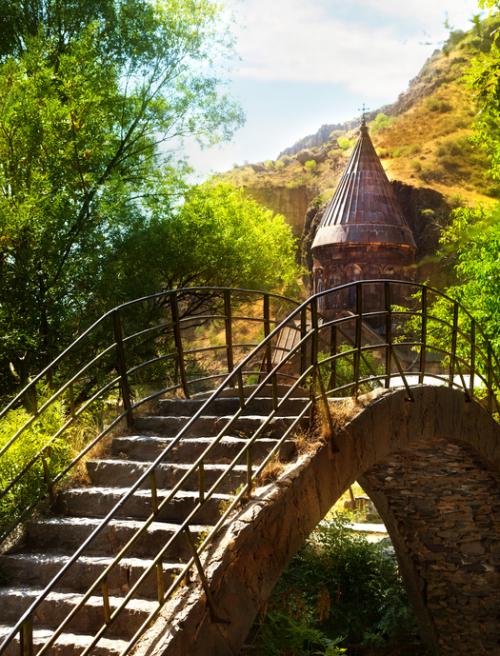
pixel 443 501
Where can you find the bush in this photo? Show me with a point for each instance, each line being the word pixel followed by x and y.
pixel 345 143
pixel 380 122
pixel 434 104
pixel 32 485
pixel 311 165
pixel 339 591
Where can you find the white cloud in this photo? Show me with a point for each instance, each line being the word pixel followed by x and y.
pixel 304 41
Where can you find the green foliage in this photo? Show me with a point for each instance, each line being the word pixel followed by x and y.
pixel 311 165
pixel 380 122
pixel 94 100
pixel 32 485
pixel 339 590
pixel 344 143
pixel 472 243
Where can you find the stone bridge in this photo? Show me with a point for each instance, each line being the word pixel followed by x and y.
pixel 175 539
pixel 431 466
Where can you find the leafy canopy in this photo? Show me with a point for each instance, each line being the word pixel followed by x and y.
pixel 95 98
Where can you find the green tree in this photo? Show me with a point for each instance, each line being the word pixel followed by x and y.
pixel 218 236
pixel 91 95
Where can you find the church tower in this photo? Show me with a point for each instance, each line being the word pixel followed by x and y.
pixel 363 234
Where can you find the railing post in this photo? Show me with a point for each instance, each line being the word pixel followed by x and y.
pixel 314 354
pixel 388 334
pixel 201 482
pixel 303 332
pixel 332 384
pixel 249 472
pixel 26 637
pixel 204 581
pixel 423 337
pixel 121 367
pixel 106 607
pixel 154 492
pixel 357 343
pixel 174 309
pixel 228 323
pixel 267 330
pixel 472 358
pixel 453 355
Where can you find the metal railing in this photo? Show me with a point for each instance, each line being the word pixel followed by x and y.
pixel 333 353
pixel 135 353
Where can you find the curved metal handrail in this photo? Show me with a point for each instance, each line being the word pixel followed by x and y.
pixel 306 366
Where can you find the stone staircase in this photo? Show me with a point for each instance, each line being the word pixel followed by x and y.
pixel 50 540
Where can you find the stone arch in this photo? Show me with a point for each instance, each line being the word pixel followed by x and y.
pixel 384 431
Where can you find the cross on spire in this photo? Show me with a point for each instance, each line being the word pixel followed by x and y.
pixel 364 109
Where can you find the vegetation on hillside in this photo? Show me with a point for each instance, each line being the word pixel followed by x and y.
pixel 95 99
pixel 425 139
pixel 471 243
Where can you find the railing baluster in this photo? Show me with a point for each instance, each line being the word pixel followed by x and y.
pixel 314 355
pixel 228 323
pixel 453 354
pixel 26 637
pixel 249 472
pixel 201 480
pixel 105 601
pixel 332 384
pixel 423 337
pixel 204 582
pixel 241 391
pixel 176 326
pixel 357 343
pixel 472 358
pixel 121 367
pixel 303 348
pixel 388 333
pixel 267 330
pixel 160 582
pixel 154 492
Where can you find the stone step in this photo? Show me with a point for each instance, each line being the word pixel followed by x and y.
pixel 37 570
pixel 98 501
pixel 67 533
pixel 228 405
pixel 149 447
pixel 264 391
pixel 207 426
pixel 57 606
pixel 124 473
pixel 67 644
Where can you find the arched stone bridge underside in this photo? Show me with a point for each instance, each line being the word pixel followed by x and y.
pixel 431 466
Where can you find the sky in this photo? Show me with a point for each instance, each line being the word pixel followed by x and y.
pixel 303 63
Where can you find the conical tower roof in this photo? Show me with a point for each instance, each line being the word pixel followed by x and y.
pixel 364 209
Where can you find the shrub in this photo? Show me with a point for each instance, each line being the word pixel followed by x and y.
pixel 380 122
pixel 311 165
pixel 32 485
pixel 339 590
pixel 345 143
pixel 434 104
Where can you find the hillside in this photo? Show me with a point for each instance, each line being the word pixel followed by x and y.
pixel 423 139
